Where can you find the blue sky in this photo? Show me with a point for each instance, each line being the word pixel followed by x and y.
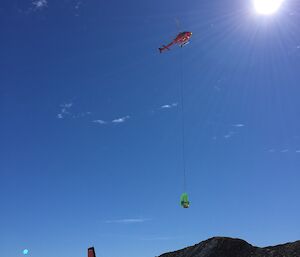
pixel 90 149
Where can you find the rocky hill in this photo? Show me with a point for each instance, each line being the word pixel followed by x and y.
pixel 231 247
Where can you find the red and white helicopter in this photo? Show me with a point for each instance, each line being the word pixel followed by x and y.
pixel 182 39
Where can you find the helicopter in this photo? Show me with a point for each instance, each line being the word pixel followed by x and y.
pixel 181 39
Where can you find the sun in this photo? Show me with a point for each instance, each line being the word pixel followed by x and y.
pixel 267 7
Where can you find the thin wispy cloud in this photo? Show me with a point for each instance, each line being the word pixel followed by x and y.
pixel 229 134
pixel 121 120
pixel 169 106
pixel 67 105
pixel 217 88
pixel 229 130
pixel 65 110
pixel 284 151
pixel 81 114
pixel 238 125
pixel 77 5
pixel 39 4
pixel 101 122
pixel 127 221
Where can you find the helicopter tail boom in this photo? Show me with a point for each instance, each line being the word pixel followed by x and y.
pixel 161 49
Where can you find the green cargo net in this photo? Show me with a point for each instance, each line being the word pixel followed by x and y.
pixel 184 200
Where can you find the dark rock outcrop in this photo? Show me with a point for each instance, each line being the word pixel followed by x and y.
pixel 231 247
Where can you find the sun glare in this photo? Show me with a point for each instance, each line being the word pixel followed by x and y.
pixel 267 7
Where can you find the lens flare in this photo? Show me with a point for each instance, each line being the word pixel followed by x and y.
pixel 267 7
